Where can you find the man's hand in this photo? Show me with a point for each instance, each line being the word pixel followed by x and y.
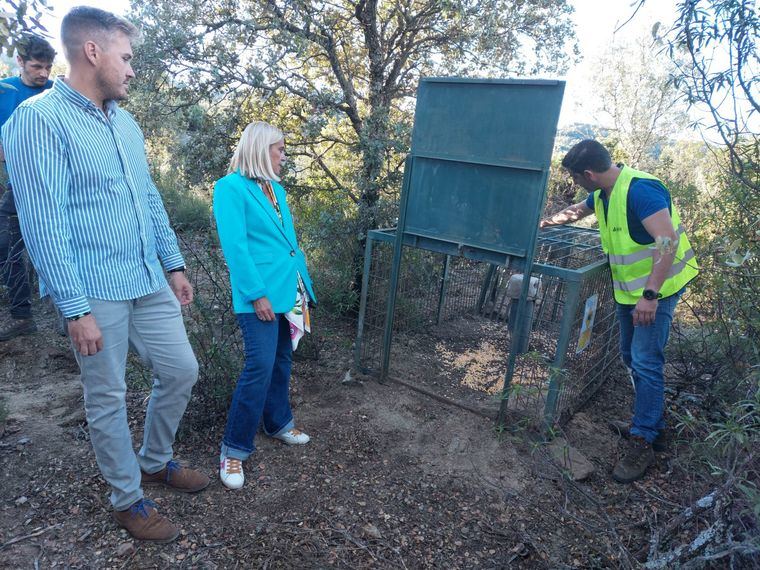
pixel 181 287
pixel 85 335
pixel 263 309
pixel 644 312
pixel 570 214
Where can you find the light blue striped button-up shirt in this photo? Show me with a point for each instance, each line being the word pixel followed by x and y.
pixel 91 217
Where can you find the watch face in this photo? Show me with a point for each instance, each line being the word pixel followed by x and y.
pixel 650 295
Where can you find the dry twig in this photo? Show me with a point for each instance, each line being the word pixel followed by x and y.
pixel 28 536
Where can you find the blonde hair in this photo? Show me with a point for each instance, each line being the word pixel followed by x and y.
pixel 251 156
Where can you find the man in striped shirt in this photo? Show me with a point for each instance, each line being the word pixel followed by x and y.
pixel 98 235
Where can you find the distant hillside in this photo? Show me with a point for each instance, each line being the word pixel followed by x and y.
pixel 568 136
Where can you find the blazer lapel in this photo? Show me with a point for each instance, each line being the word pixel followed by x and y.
pixel 286 215
pixel 258 195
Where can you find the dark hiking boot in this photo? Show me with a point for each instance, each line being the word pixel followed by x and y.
pixel 143 522
pixel 662 441
pixel 639 456
pixel 177 478
pixel 623 429
pixel 18 327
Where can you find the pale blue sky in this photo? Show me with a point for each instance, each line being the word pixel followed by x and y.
pixel 596 21
pixel 596 24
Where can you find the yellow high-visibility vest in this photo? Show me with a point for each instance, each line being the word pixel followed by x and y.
pixel 631 263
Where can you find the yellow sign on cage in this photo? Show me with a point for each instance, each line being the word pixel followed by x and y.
pixel 589 312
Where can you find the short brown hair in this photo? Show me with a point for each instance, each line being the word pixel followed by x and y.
pixel 84 23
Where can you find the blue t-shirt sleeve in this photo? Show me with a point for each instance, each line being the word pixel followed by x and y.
pixel 8 97
pixel 645 197
pixel 13 92
pixel 590 201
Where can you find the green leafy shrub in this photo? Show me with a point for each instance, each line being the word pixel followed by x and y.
pixel 213 331
pixel 188 212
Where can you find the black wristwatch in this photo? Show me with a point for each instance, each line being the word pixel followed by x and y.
pixel 177 269
pixel 77 317
pixel 651 295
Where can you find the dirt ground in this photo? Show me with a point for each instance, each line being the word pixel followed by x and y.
pixel 391 479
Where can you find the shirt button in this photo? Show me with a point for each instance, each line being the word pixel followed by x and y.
pixel 292 253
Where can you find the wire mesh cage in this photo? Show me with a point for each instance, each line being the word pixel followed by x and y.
pixel 454 326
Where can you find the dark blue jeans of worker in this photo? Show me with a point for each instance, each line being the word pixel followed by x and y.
pixel 15 269
pixel 643 351
pixel 262 392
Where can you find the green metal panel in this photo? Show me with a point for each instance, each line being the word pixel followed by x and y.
pixel 482 150
pixel 506 122
pixel 474 204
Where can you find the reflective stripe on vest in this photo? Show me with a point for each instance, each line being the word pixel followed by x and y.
pixel 632 258
pixel 630 262
pixel 640 283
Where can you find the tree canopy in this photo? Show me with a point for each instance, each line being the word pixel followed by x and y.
pixel 348 67
pixel 18 17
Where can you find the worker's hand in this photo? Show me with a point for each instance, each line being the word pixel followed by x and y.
pixel 263 309
pixel 85 335
pixel 644 312
pixel 181 287
pixel 545 223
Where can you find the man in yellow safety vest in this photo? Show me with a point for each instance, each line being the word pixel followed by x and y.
pixel 651 262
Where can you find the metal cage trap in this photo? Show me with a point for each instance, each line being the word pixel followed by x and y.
pixel 445 307
pixel 455 332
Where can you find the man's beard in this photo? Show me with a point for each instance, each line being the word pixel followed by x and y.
pixel 108 91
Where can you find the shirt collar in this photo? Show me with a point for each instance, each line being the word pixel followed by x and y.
pixel 75 97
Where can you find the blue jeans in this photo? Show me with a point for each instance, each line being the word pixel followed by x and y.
pixel 643 351
pixel 262 392
pixel 15 268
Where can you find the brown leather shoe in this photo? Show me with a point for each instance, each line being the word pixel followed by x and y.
pixel 143 522
pixel 178 478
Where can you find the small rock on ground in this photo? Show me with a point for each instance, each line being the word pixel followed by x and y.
pixel 570 459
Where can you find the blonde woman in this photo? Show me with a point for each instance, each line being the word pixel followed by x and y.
pixel 271 290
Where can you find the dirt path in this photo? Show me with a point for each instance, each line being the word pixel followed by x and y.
pixel 392 479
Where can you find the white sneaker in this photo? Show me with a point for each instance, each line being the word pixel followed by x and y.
pixel 231 472
pixel 293 437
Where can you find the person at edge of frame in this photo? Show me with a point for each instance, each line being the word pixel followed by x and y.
pixel 35 60
pixel 651 261
pixel 100 239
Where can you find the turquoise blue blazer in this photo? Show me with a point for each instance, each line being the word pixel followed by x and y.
pixel 261 253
